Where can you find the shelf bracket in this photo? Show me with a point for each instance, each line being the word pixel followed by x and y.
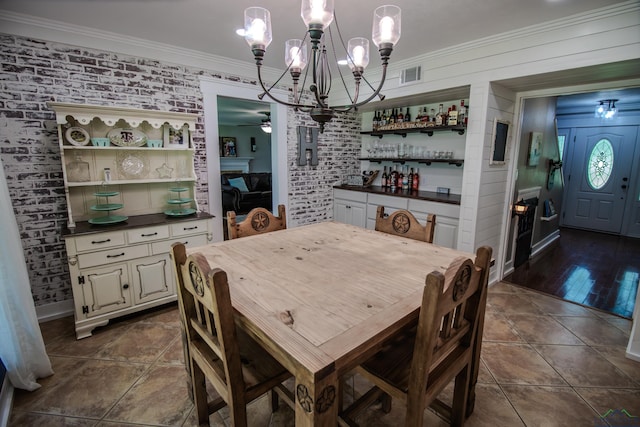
pixel 428 132
pixel 459 130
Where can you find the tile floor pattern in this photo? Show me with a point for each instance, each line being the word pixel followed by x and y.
pixel 545 362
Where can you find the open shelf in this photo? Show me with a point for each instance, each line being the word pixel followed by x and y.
pixel 402 161
pixel 426 130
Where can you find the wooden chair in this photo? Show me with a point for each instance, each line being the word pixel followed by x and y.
pixel 416 366
pixel 239 369
pixel 258 221
pixel 403 223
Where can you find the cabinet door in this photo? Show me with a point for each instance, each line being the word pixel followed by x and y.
pixel 350 212
pixel 106 289
pixel 446 232
pixel 152 278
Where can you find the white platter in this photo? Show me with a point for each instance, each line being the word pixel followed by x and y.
pixel 127 137
pixel 77 136
pixel 133 165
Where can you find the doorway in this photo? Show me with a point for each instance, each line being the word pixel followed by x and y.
pixel 213 88
pixel 598 170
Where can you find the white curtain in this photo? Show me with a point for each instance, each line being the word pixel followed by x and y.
pixel 22 348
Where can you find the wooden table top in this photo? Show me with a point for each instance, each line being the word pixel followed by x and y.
pixel 323 293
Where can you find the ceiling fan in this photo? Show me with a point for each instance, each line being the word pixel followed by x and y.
pixel 266 122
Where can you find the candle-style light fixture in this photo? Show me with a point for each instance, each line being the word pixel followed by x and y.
pixel 317 16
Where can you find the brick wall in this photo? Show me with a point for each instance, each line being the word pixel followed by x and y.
pixel 34 72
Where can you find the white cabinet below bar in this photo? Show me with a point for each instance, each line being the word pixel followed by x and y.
pixel 447 213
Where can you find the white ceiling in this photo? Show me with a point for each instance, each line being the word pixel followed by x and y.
pixel 209 25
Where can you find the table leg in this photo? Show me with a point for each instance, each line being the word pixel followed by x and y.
pixel 317 401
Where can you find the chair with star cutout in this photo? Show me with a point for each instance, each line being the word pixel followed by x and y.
pixel 258 221
pixel 238 368
pixel 403 223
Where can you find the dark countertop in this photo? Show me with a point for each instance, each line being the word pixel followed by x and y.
pixel 430 196
pixel 83 227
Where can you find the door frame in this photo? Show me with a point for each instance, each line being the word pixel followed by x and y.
pixel 212 88
pixel 505 267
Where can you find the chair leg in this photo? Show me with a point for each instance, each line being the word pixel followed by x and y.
pixel 199 394
pixel 385 399
pixel 460 394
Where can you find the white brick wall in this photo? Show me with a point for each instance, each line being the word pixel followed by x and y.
pixel 34 72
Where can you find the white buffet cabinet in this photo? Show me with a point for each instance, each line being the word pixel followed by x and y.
pixel 348 204
pixel 129 181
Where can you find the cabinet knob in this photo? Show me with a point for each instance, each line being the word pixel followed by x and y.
pixel 125 286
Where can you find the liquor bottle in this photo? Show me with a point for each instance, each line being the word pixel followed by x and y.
pixel 383 119
pixel 462 113
pixel 374 121
pixel 416 180
pixel 401 179
pixel 384 178
pixel 393 180
pixel 425 115
pixel 392 118
pixel 440 116
pixel 452 117
pixel 405 178
pixel 407 116
pixel 410 180
pixel 400 118
pixel 432 117
pixel 419 115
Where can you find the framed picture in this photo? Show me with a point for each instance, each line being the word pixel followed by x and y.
pixel 499 142
pixel 228 146
pixel 176 138
pixel 535 148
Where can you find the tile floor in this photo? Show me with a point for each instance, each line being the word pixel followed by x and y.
pixel 545 362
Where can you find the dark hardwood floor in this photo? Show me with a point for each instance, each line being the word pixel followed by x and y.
pixel 593 269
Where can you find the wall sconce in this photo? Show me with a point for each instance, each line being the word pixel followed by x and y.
pixel 520 208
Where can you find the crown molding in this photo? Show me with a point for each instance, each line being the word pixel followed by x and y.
pixel 77 35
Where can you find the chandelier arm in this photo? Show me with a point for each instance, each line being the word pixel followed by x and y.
pixel 314 86
pixel 335 57
pixel 279 101
pixel 373 95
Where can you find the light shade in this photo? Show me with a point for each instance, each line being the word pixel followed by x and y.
pixel 358 51
pixel 257 27
pixel 266 128
pixel 295 55
pixel 386 25
pixel 317 12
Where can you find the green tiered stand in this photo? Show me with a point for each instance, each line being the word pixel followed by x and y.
pixel 107 207
pixel 178 201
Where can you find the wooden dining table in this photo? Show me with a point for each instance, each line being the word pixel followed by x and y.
pixel 322 298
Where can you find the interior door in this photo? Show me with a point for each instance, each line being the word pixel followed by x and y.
pixel 598 177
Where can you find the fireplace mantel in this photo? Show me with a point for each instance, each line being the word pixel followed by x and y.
pixel 235 164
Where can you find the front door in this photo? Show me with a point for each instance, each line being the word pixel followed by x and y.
pixel 597 179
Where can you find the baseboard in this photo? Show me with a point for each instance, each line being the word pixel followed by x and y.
pixel 544 243
pixel 54 310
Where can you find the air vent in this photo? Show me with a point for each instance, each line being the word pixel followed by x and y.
pixel 410 75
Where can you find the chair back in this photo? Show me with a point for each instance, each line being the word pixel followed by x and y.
pixel 451 314
pixel 403 223
pixel 258 221
pixel 208 319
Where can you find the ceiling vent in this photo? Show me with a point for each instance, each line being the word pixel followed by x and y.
pixel 410 75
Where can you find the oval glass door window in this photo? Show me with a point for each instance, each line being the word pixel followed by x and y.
pixel 600 164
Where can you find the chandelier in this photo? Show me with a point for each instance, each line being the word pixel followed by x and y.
pixel 606 111
pixel 317 16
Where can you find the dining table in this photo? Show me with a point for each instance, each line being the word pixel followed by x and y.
pixel 322 298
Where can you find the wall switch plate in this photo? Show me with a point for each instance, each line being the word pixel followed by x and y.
pixel 443 190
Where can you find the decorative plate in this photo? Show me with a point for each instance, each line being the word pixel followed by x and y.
pixel 180 212
pixel 127 137
pixel 133 165
pixel 109 219
pixel 77 136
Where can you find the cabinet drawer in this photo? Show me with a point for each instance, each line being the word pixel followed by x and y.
pixel 93 242
pixel 114 255
pixel 188 227
pixel 354 196
pixel 387 201
pixel 189 241
pixel 148 233
pixel 443 209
